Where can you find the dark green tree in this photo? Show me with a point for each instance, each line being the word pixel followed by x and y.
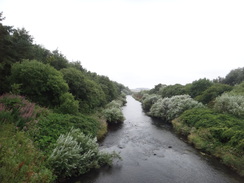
pixel 88 92
pixel 39 82
pixel 212 92
pixel 172 90
pixel 199 86
pixel 235 76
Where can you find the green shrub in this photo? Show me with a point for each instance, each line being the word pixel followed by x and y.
pixel 39 82
pixel 149 100
pixel 212 92
pixel 75 154
pixel 68 104
pixel 53 125
pixel 20 161
pixel 218 134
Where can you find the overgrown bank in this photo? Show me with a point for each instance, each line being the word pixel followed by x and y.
pixel 51 112
pixel 209 113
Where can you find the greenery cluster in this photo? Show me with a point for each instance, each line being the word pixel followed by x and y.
pixel 209 113
pixel 219 134
pixel 75 153
pixel 233 104
pixel 170 108
pixel 20 160
pixel 113 111
pixel 42 97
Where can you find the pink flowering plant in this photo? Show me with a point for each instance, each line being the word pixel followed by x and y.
pixel 16 109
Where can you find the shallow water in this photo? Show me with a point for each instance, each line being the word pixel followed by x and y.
pixel 152 153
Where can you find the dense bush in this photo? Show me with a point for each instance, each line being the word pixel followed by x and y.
pixel 148 101
pixel 212 92
pixel 53 124
pixel 88 92
pixel 75 154
pixel 20 161
pixel 238 89
pixel 113 115
pixel 68 105
pixel 39 82
pixel 199 86
pixel 172 90
pixel 233 104
pixel 235 76
pixel 218 134
pixel 16 109
pixel 170 108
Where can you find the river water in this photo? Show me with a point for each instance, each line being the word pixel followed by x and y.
pixel 152 153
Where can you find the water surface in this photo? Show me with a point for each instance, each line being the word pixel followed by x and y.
pixel 154 154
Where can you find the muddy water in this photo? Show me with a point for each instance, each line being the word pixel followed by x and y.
pixel 154 154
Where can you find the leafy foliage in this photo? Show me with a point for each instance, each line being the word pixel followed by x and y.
pixel 15 109
pixel 52 125
pixel 20 161
pixel 113 112
pixel 219 134
pixel 234 77
pixel 170 108
pixel 88 92
pixel 113 115
pixel 76 153
pixel 199 86
pixel 41 83
pixel 172 90
pixel 212 92
pixel 68 105
pixel 148 101
pixel 233 104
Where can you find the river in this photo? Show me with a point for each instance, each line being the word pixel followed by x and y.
pixel 153 153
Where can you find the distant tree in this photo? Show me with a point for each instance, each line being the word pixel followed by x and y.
pixel 199 86
pixel 40 53
pixel 172 90
pixel 235 76
pixel 212 92
pixel 39 82
pixel 157 88
pixel 109 87
pixel 22 43
pixel 57 60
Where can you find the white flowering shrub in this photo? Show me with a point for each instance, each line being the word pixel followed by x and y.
pixel 233 104
pixel 114 115
pixel 160 108
pixel 170 108
pixel 76 153
pixel 149 100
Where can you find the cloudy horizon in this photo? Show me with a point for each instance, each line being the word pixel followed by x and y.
pixel 138 43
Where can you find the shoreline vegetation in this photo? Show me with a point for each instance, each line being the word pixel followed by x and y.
pixel 210 114
pixel 52 112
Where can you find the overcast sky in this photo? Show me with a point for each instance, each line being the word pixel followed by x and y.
pixel 139 43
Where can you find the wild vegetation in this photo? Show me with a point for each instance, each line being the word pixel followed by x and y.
pixel 51 112
pixel 209 113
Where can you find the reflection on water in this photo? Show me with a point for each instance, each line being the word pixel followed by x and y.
pixel 151 152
